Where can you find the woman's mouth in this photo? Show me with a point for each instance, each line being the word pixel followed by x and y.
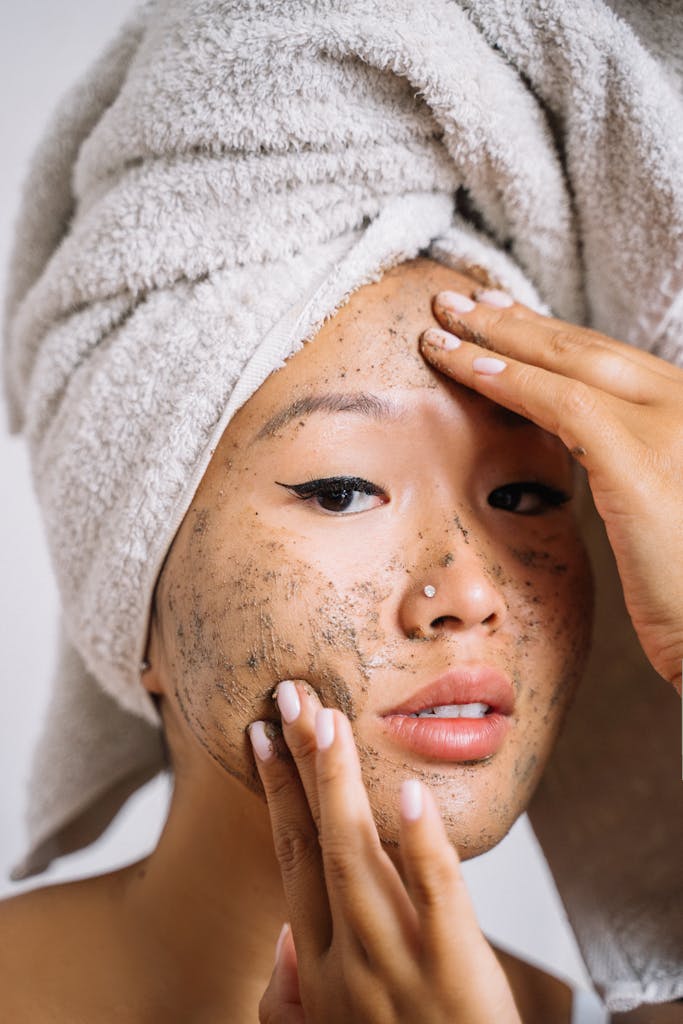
pixel 462 716
pixel 454 711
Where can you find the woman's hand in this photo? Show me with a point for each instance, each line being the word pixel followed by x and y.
pixel 370 947
pixel 620 413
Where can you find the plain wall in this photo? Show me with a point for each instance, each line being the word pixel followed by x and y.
pixel 44 46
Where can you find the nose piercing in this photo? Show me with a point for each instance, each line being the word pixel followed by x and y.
pixel 144 666
pixel 429 591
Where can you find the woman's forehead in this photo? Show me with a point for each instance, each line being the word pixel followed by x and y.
pixel 366 359
pixel 371 344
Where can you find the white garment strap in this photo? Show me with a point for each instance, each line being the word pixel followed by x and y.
pixel 587 1008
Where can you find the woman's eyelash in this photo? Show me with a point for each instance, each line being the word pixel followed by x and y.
pixel 508 497
pixel 340 495
pixel 343 495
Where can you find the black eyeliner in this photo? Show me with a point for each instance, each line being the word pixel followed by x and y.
pixel 330 483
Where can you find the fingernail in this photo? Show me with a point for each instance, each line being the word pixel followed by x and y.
pixel 487 364
pixel 324 728
pixel 288 701
pixel 281 941
pixel 263 748
pixel 455 301
pixel 496 298
pixel 411 799
pixel 441 339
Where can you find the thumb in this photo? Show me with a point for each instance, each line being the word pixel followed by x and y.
pixel 286 967
pixel 281 1002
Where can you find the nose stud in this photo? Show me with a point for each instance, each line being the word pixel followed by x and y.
pixel 429 591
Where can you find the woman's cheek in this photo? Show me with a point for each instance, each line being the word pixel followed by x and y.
pixel 572 628
pixel 237 624
pixel 553 632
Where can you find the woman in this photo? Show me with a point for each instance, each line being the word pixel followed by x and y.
pixel 428 485
pixel 456 555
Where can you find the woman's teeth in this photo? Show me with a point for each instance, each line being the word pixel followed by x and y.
pixel 454 711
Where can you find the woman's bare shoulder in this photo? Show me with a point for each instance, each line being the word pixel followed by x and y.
pixel 52 945
pixel 540 997
pixel 41 914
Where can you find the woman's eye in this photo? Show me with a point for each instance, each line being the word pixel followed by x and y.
pixel 527 498
pixel 339 494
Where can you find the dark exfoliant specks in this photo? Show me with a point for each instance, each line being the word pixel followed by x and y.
pixel 262 585
pixel 463 532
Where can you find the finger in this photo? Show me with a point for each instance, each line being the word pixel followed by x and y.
pixel 500 302
pixel 447 920
pixel 295 838
pixel 298 705
pixel 586 420
pixel 367 897
pixel 281 1001
pixel 574 351
pixel 286 971
pixel 455 952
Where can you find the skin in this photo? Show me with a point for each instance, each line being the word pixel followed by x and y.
pixel 261 586
pixel 603 390
pixel 618 410
pixel 250 595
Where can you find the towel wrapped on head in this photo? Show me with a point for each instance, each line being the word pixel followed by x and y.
pixel 222 180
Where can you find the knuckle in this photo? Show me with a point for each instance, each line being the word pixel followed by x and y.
pixel 329 772
pixel 278 783
pixel 527 390
pixel 527 378
pixel 495 318
pixel 341 861
pixel 577 400
pixel 521 312
pixel 563 342
pixel 294 847
pixel 434 880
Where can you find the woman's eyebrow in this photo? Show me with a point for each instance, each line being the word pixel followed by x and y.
pixel 361 402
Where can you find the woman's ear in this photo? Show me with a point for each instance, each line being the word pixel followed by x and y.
pixel 151 675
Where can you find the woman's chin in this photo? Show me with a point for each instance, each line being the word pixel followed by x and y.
pixel 468 846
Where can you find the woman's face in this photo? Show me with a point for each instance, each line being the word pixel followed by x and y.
pixel 273 577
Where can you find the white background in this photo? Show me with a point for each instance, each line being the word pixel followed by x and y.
pixel 44 46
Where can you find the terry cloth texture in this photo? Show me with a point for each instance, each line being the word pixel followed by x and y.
pixel 222 180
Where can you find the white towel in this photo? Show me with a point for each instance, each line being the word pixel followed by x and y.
pixel 586 1008
pixel 219 183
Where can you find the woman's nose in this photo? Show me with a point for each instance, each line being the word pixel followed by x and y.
pixel 464 595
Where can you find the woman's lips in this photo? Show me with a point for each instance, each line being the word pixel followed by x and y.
pixel 449 739
pixel 454 739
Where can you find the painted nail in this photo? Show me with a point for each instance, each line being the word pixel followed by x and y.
pixel 411 799
pixel 288 701
pixel 488 365
pixel 455 301
pixel 324 728
pixel 441 339
pixel 263 748
pixel 281 941
pixel 496 298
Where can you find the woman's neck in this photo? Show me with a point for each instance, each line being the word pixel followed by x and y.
pixel 206 907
